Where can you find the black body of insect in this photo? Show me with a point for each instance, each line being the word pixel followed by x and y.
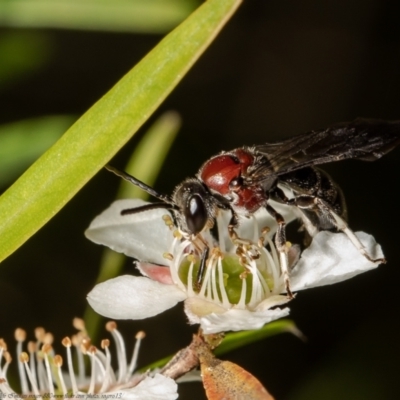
pixel 245 179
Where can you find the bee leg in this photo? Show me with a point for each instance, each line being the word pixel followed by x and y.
pixel 245 248
pixel 202 268
pixel 233 224
pixel 323 210
pixel 280 242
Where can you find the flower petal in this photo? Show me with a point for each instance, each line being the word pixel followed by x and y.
pixel 158 387
pixel 234 319
pixel 131 297
pixel 143 235
pixel 332 258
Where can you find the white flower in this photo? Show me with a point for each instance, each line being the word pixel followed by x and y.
pixel 41 375
pixel 237 292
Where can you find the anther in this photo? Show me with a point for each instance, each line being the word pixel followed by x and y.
pixel 92 350
pixel 167 219
pixel 265 230
pixel 191 258
pixel 168 256
pixel 20 335
pixel 79 324
pixel 39 333
pixel 140 335
pixel 111 326
pixel 66 342
pixel 3 345
pixel 24 357
pixel 48 338
pixel 244 274
pixel 177 234
pixel 46 348
pixel 58 361
pixel 85 343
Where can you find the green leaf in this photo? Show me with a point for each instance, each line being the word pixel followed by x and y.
pixel 146 16
pixel 236 340
pixel 23 142
pixel 55 178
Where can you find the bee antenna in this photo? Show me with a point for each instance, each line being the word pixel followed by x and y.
pixel 141 185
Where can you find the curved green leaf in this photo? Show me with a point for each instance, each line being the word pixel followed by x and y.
pixel 54 179
pixel 235 340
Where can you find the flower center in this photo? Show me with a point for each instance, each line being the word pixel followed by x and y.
pixel 243 276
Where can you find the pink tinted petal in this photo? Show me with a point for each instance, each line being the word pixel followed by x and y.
pixel 158 273
pixel 131 297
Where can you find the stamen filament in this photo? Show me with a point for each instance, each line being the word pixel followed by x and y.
pixel 67 344
pixel 242 301
pixel 121 352
pixel 225 300
pixel 32 363
pixel 46 349
pixel 3 371
pixel 107 378
pixel 190 280
pixel 92 369
pixel 79 355
pixel 58 361
pixel 20 337
pixel 132 365
pixel 24 358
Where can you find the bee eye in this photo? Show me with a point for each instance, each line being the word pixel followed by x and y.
pixel 195 214
pixel 236 183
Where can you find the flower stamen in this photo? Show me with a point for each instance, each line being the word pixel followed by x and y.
pixel 132 365
pixel 58 362
pixel 111 326
pixel 66 342
pixel 24 358
pixel 20 336
pixel 46 350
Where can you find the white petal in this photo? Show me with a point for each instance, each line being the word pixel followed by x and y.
pixel 131 297
pixel 332 258
pixel 238 320
pixel 143 235
pixel 158 387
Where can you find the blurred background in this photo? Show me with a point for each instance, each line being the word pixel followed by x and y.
pixel 278 68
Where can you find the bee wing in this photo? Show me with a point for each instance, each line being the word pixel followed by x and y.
pixel 364 139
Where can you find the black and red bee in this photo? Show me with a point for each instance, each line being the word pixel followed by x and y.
pixel 243 180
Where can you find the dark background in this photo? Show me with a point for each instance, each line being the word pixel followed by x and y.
pixel 279 68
